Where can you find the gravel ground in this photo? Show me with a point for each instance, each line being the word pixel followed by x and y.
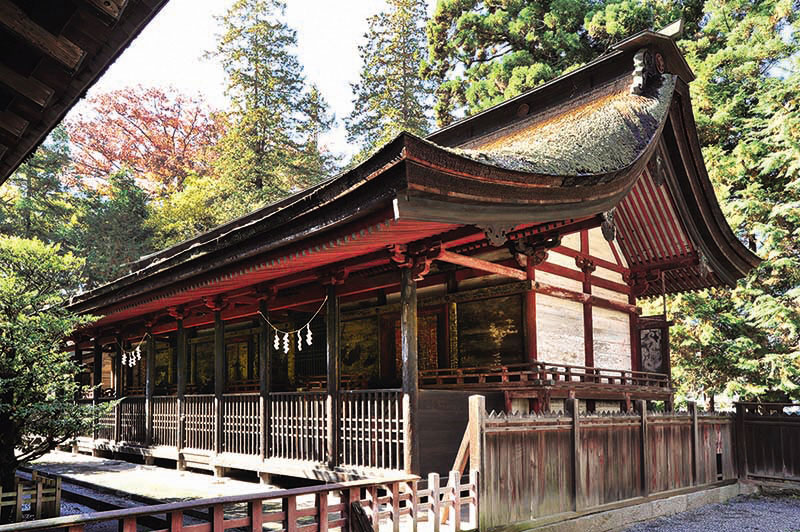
pixel 742 514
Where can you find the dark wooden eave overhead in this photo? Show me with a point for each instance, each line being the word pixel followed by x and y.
pixel 51 52
pixel 578 147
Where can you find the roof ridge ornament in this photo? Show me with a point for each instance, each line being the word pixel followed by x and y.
pixel 646 67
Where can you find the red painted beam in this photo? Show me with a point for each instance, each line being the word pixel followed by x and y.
pixel 483 265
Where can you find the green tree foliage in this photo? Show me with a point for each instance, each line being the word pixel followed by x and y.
pixel 391 95
pixel 746 341
pixel 204 203
pixel 112 229
pixel 483 52
pixel 33 202
pixel 271 148
pixel 37 377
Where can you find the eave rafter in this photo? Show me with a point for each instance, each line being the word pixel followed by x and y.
pixel 56 47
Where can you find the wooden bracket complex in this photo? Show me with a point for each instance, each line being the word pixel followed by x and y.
pixel 417 257
pixel 534 247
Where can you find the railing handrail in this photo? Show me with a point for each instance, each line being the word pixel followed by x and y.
pixel 140 511
pixel 240 394
pixel 361 392
pixel 539 366
pixel 291 394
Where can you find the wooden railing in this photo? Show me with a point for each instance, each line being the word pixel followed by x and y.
pixel 241 423
pixel 385 503
pixel 536 374
pixel 347 381
pixel 200 421
pixel 165 420
pixel 298 424
pixel 371 428
pixel 133 422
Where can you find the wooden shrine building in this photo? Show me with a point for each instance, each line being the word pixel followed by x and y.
pixel 340 331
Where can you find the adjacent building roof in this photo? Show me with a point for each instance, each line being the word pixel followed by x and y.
pixel 51 52
pixel 615 139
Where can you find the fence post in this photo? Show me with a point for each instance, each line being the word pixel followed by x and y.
pixel 741 448
pixel 573 408
pixel 692 406
pixel 477 409
pixel 474 507
pixel 455 480
pixel 18 514
pixel 433 499
pixel 641 405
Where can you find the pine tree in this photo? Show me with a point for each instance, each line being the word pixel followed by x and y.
pixel 267 151
pixel 483 52
pixel 34 203
pixel 111 230
pixel 391 95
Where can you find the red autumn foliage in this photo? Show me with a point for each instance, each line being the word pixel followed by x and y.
pixel 160 136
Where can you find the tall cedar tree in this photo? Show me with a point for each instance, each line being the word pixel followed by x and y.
pixel 391 95
pixel 37 376
pixel 34 202
pixel 272 147
pixel 744 341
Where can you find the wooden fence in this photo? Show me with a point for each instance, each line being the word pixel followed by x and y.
pixel 42 496
pixel 769 441
pixel 539 465
pixel 387 502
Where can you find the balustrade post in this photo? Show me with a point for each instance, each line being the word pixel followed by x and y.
pixel 118 389
pixel 181 390
pixel 264 375
pixel 332 398
pixel 150 366
pixel 408 348
pixel 97 380
pixel 219 378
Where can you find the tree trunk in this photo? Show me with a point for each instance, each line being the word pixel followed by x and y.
pixel 8 468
